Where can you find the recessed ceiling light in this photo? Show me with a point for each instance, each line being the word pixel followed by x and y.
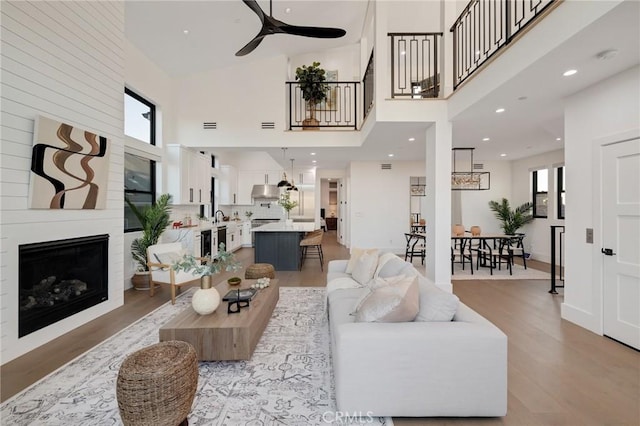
pixel 558 139
pixel 313 153
pixel 390 155
pixel 485 139
pixel 567 73
pixel 185 32
pixel 403 52
pixel 314 161
pixel 412 139
pixel 287 10
pixel 503 155
pixel 499 110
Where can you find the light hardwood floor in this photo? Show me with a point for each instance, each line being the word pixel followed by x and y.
pixel 559 373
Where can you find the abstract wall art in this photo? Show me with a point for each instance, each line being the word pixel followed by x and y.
pixel 69 167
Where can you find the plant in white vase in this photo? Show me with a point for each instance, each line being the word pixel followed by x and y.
pixel 287 203
pixel 207 299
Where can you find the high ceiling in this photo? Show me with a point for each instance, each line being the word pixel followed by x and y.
pixel 533 100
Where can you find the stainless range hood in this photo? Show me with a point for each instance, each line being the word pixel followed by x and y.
pixel 265 192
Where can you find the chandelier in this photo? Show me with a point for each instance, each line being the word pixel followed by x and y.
pixel 466 179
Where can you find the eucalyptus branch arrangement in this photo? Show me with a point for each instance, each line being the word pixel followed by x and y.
pixel 225 261
pixel 287 203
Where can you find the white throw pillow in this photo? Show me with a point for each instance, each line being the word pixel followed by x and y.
pixel 397 302
pixel 168 258
pixel 365 267
pixel 435 304
pixel 355 255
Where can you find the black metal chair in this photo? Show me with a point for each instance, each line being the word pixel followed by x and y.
pixel 495 255
pixel 415 247
pixel 461 253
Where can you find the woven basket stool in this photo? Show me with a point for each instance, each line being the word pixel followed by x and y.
pixel 259 270
pixel 156 385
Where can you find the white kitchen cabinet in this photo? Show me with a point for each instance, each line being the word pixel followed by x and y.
pixel 245 234
pixel 188 176
pixel 234 240
pixel 228 185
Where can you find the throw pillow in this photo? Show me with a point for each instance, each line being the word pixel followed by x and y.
pixel 374 284
pixel 355 255
pixel 168 258
pixel 398 302
pixel 390 266
pixel 435 304
pixel 365 267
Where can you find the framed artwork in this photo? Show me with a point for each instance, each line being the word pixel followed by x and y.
pixel 331 102
pixel 69 167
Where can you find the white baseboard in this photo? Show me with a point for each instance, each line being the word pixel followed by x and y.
pixel 581 318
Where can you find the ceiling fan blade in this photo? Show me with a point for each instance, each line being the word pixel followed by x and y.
pixel 249 47
pixel 253 5
pixel 317 32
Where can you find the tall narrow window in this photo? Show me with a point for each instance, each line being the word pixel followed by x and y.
pixel 139 188
pixel 560 192
pixel 540 190
pixel 139 117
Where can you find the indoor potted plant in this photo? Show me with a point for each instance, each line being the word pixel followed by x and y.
pixel 314 90
pixel 206 299
pixel 288 204
pixel 154 220
pixel 511 219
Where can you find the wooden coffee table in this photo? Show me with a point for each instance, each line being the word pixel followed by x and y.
pixel 221 336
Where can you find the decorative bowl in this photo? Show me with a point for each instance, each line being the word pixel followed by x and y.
pixel 234 280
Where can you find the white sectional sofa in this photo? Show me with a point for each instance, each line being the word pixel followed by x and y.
pixel 414 368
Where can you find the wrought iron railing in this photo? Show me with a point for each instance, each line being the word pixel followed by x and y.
pixel 368 83
pixel 486 26
pixel 339 110
pixel 414 65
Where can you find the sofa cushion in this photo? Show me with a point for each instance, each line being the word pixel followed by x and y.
pixel 435 304
pixel 394 302
pixel 355 255
pixel 168 258
pixel 365 267
pixel 389 265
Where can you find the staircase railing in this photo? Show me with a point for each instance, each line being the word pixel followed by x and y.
pixel 368 83
pixel 486 26
pixel 339 110
pixel 415 72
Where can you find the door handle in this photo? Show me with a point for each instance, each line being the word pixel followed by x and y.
pixel 607 252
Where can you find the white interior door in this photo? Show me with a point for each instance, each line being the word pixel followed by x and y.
pixel 621 235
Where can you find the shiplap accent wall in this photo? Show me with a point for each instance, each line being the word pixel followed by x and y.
pixel 63 60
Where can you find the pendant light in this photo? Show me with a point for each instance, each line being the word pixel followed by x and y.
pixel 284 181
pixel 292 186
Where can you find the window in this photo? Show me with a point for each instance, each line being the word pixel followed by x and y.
pixel 560 192
pixel 540 180
pixel 139 117
pixel 139 172
pixel 139 188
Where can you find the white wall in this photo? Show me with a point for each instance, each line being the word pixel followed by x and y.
pixel 606 109
pixel 538 239
pixel 73 73
pixel 346 60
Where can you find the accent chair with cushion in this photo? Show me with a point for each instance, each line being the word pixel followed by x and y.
pixel 160 257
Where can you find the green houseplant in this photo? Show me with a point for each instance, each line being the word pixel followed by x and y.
pixel 314 90
pixel 287 203
pixel 511 219
pixel 154 220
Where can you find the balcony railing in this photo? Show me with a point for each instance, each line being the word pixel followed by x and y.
pixel 339 110
pixel 368 82
pixel 486 26
pixel 414 65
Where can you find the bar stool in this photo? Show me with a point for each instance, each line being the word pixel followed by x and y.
pixel 311 246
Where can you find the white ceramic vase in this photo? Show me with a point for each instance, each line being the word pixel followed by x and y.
pixel 206 299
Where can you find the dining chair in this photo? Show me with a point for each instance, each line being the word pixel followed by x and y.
pixel 516 243
pixel 461 253
pixel 416 246
pixel 496 254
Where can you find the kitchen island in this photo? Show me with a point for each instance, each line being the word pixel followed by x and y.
pixel 279 244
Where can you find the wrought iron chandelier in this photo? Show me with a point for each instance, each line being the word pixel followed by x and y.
pixel 468 179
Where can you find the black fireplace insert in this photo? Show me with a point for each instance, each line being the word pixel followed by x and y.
pixel 60 278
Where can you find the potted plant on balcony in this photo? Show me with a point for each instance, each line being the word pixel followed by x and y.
pixel 207 299
pixel 288 204
pixel 154 220
pixel 314 90
pixel 511 219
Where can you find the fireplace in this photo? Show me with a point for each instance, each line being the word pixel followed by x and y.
pixel 58 279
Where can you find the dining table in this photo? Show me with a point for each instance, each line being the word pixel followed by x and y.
pixel 490 243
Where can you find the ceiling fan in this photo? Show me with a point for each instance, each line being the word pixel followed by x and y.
pixel 271 25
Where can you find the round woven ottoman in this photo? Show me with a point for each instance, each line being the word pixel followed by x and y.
pixel 259 270
pixel 156 385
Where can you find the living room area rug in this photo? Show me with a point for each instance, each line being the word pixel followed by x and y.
pixel 288 381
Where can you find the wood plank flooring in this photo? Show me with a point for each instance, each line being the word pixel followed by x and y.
pixel 559 373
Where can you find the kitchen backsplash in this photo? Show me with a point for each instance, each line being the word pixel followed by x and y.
pixel 264 210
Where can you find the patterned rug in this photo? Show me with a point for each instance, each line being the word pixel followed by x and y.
pixel 288 381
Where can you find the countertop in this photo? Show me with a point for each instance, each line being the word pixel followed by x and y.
pixel 282 227
pixel 203 226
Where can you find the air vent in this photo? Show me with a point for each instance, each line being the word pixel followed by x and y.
pixel 385 166
pixel 478 166
pixel 268 125
pixel 210 125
